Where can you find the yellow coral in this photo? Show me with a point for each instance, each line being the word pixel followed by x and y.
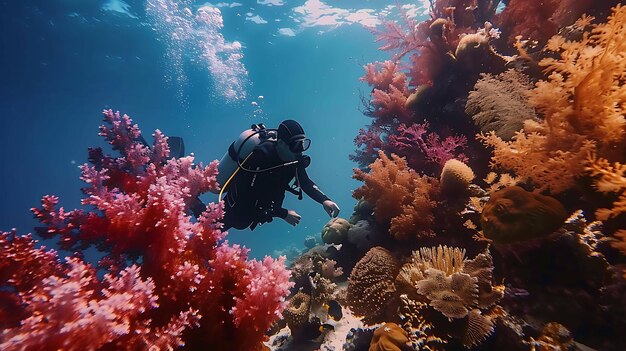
pixel 583 102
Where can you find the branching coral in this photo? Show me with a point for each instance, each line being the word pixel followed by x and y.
pixel 500 103
pixel 611 179
pixel 370 286
pixel 207 292
pixel 583 102
pixel 400 196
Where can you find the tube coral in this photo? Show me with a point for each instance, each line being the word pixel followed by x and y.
pixel 190 286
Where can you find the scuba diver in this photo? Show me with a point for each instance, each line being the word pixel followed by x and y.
pixel 257 170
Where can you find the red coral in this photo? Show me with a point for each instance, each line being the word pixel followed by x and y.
pixel 420 148
pixel 191 289
pixel 539 19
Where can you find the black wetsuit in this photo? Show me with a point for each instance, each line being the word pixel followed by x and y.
pixel 255 198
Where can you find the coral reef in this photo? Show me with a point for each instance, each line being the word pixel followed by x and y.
pixel 185 285
pixel 400 196
pixel 582 102
pixel 370 285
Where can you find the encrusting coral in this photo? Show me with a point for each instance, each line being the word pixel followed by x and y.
pixel 401 197
pixel 371 284
pixel 583 102
pixel 185 285
pixel 513 214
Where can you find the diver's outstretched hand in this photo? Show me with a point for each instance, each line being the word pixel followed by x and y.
pixel 292 218
pixel 331 208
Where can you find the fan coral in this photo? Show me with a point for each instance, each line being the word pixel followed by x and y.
pixel 437 274
pixel 400 196
pixel 500 103
pixel 455 178
pixel 388 337
pixel 207 292
pixel 335 231
pixel 583 102
pixel 297 311
pixel 370 285
pixel 513 215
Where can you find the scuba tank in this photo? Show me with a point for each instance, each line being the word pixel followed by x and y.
pixel 240 149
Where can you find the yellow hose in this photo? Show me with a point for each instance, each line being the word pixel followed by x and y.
pixel 232 176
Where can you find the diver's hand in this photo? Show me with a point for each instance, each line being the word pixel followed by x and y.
pixel 292 218
pixel 331 208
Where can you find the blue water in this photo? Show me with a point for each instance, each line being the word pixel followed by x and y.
pixel 62 62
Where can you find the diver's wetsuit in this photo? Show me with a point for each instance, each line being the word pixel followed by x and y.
pixel 256 198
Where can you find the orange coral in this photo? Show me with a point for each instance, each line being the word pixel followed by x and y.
pixel 389 337
pixel 612 179
pixel 583 102
pixel 400 196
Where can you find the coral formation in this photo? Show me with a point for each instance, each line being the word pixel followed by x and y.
pixel 335 231
pixel 455 178
pixel 582 102
pixel 185 284
pixel 458 288
pixel 500 103
pixel 513 214
pixel 297 311
pixel 370 285
pixel 400 196
pixel 388 337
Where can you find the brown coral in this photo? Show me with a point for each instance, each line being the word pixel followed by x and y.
pixel 400 196
pixel 335 231
pixel 500 103
pixel 389 337
pixel 297 311
pixel 456 287
pixel 514 214
pixel 370 286
pixel 479 327
pixel 583 102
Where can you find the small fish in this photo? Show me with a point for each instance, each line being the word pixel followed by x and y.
pixel 333 309
pixel 314 328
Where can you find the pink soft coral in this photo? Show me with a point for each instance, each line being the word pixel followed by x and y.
pixel 197 289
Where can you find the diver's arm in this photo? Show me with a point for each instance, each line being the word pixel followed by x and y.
pixel 309 187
